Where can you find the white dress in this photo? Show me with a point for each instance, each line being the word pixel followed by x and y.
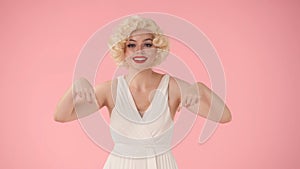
pixel 141 142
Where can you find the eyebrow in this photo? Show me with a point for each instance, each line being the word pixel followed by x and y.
pixel 143 40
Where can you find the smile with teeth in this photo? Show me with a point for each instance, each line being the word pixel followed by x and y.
pixel 139 59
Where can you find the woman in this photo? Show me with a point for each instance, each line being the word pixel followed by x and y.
pixel 143 103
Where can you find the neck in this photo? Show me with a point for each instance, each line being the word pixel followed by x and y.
pixel 139 79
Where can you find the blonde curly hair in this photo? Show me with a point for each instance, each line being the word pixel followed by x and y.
pixel 120 36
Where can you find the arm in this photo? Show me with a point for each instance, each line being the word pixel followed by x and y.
pixel 66 111
pixel 202 101
pixel 211 104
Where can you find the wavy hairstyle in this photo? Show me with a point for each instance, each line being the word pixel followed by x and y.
pixel 121 34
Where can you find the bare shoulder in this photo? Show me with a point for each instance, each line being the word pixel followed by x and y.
pixel 184 87
pixel 177 83
pixel 178 86
pixel 103 92
pixel 102 87
pixel 173 83
pixel 174 88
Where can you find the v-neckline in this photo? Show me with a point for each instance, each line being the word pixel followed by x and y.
pixel 133 104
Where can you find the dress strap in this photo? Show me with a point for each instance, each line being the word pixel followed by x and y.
pixel 164 84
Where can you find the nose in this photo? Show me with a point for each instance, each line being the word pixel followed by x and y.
pixel 139 47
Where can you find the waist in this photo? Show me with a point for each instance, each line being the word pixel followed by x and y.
pixel 140 150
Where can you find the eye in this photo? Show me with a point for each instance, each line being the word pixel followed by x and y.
pixel 148 45
pixel 131 45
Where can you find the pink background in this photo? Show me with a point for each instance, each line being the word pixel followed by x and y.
pixel 257 42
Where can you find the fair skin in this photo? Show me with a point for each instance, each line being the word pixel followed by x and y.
pixel 142 81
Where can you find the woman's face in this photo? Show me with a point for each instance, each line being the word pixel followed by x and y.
pixel 140 53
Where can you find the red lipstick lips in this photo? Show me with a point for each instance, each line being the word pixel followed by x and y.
pixel 139 59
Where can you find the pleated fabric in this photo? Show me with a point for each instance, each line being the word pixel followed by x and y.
pixel 163 161
pixel 141 142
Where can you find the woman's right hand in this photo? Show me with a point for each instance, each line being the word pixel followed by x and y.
pixel 83 92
